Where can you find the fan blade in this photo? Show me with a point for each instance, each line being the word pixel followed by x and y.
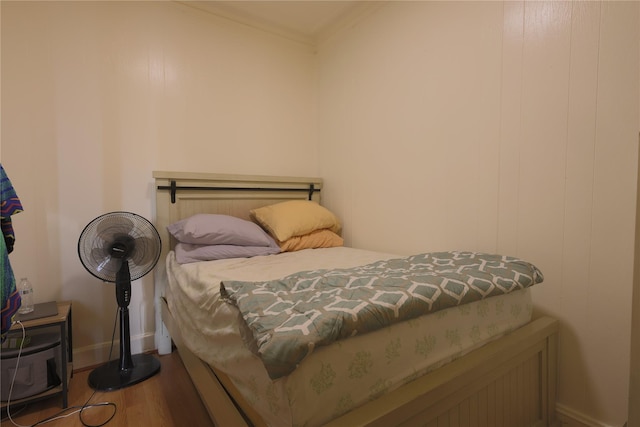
pixel 105 264
pixel 144 251
pixel 111 227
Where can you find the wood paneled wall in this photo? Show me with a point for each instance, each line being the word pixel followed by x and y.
pixel 505 127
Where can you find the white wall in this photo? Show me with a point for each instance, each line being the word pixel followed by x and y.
pixel 489 126
pixel 97 95
pixel 499 126
pixel 634 377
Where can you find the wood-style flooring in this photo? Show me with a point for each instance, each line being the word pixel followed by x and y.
pixel 168 399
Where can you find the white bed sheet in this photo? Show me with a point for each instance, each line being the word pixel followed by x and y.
pixel 339 377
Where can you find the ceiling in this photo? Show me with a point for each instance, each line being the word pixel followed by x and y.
pixel 304 19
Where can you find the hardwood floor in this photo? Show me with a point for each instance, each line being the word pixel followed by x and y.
pixel 167 399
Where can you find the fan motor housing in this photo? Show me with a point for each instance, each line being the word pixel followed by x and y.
pixel 123 246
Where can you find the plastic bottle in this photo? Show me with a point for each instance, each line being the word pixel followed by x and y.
pixel 26 295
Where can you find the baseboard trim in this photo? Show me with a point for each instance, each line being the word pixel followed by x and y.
pixel 97 354
pixel 571 418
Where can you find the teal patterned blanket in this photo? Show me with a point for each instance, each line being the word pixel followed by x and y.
pixel 291 316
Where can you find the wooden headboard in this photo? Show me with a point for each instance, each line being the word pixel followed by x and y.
pixel 182 194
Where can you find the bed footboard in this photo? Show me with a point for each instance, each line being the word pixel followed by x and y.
pixel 508 382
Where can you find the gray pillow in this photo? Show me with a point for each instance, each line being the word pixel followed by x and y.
pixel 214 229
pixel 187 253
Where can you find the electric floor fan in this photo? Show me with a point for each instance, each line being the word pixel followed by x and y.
pixel 119 247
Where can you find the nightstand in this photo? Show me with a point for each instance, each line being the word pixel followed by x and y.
pixel 60 324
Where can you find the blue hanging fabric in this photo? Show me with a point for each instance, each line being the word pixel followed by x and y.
pixel 9 206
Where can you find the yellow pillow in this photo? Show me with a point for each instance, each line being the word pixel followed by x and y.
pixel 316 239
pixel 295 218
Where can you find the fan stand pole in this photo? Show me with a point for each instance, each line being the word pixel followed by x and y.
pixel 126 361
pixel 128 370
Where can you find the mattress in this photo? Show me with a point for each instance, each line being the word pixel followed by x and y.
pixel 335 378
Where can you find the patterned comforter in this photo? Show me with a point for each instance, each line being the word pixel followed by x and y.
pixel 291 316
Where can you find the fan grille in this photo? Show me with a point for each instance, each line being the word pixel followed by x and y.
pixel 117 237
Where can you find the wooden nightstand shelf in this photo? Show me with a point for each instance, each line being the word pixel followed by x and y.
pixel 63 321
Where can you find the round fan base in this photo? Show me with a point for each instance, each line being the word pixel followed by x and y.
pixel 110 377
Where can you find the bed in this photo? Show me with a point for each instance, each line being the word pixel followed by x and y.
pixel 507 378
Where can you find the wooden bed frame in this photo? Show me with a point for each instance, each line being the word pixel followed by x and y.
pixel 508 382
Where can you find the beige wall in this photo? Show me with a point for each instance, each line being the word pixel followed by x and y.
pixel 634 377
pixel 97 95
pixel 505 127
pixel 490 126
